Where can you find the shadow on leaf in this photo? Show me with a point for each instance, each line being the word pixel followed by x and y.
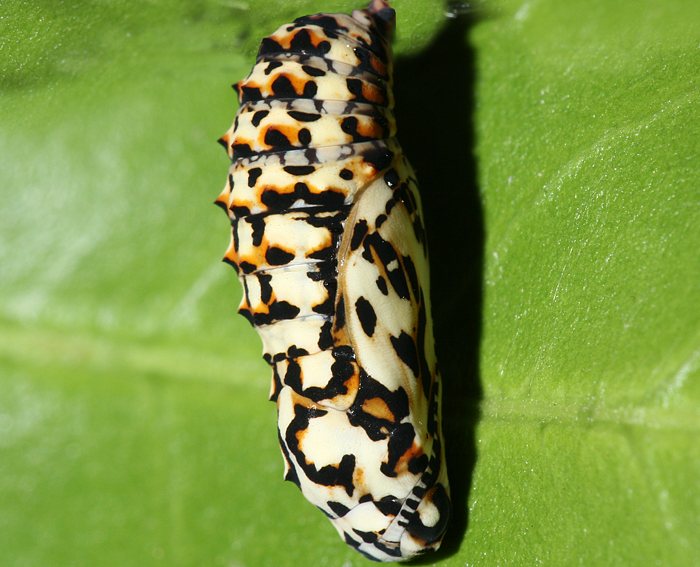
pixel 434 107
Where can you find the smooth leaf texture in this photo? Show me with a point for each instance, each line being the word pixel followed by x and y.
pixel 558 145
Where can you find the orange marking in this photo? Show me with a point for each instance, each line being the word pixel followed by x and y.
pixel 411 452
pixel 372 93
pixel 289 132
pixel 369 128
pixel 353 383
pixel 378 408
pixel 358 480
pixel 297 82
pixel 378 66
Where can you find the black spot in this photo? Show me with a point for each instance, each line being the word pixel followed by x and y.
pixel 391 178
pixel 276 139
pixel 301 190
pixel 367 537
pixel 346 174
pixel 277 201
pixel 249 94
pixel 304 116
pixel 327 23
pixel 299 169
pixel 358 234
pixel 302 42
pixel 400 441
pixel 412 504
pixel 326 253
pixel 418 464
pixel 313 71
pixel 304 136
pixel 257 223
pixel 343 352
pixel 310 89
pixel 292 376
pixel 340 314
pixel 418 491
pixel 412 275
pixel 325 339
pixel 332 223
pixel 278 311
pixel 328 199
pixel 269 45
pixel 258 117
pixel 272 65
pixel 392 202
pixel 349 125
pixel 381 284
pixel 366 315
pixel 398 282
pixel 279 356
pixel 278 257
pixel 322 272
pixel 240 211
pixel 355 87
pixel 265 287
pixel 282 88
pixel 241 151
pixel 253 175
pixel 325 308
pixel 405 348
pixel 246 267
pixel 380 220
pixel 294 351
pixel 388 505
pixel 378 157
pixel 338 509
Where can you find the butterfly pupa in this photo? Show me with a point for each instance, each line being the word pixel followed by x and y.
pixel 329 245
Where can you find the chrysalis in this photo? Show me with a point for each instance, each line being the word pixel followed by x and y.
pixel 330 248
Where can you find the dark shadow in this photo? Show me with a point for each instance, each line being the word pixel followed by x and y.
pixel 434 106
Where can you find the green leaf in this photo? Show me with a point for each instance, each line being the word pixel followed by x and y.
pixel 557 146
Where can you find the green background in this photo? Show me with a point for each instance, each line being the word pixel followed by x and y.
pixel 558 146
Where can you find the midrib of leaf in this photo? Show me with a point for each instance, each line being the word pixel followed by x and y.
pixel 37 348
